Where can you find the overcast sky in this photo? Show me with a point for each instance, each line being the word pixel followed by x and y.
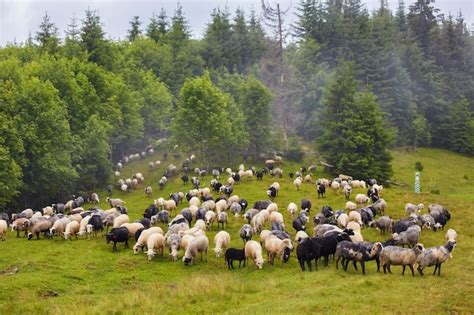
pixel 18 18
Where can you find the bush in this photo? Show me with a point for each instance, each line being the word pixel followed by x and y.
pixel 418 166
pixel 435 192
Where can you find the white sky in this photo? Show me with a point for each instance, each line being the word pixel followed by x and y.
pixel 19 17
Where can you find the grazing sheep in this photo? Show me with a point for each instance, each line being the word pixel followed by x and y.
pixel 3 229
pixel 299 224
pixel 361 199
pixel 222 240
pixel 155 242
pixel 356 237
pixel 170 205
pixel 356 253
pixel 41 226
pixel 221 219
pixel 249 214
pixel 292 209
pixel 409 237
pixel 253 250
pixel 321 189
pixel 72 228
pixel 221 205
pixel 132 228
pixel 232 254
pixel 320 230
pixel 48 211
pixel 354 226
pixel 148 191
pixel 142 239
pixel 276 217
pixel 115 202
pixel 199 245
pixel 246 232
pixel 209 218
pixel 27 213
pixel 272 207
pixel 121 219
pixel 328 244
pixel 355 216
pixel 83 226
pixel 435 256
pixel 59 226
pixel 277 247
pixel 173 242
pixel 393 255
pixel 264 235
pixel 307 251
pixel 342 220
pixel 21 224
pixel 301 236
pixel 297 182
pixel 94 198
pixel 350 206
pixel 335 186
pixel 379 206
pixel 235 208
pixel 258 221
pixel 347 191
pixel 118 235
pixel 384 224
pixel 185 240
pixel 451 235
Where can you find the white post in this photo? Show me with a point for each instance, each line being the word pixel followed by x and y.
pixel 417 182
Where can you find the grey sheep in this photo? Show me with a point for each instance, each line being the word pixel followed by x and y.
pixel 435 256
pixel 409 237
pixel 393 255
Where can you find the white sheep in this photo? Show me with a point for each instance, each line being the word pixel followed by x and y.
pixel 75 217
pixel 233 198
pixel 221 206
pixel 308 179
pixel 292 209
pixel 253 250
pixel 356 238
pixel 342 220
pixel 170 205
pixel 142 239
pixel 71 229
pixel 185 240
pixel 210 217
pixel 3 229
pixel 361 199
pixel 160 203
pixel 222 241
pixel 209 205
pixel 276 247
pixel 48 211
pixel 199 245
pixel 354 226
pixel 264 235
pixel 335 186
pixel 194 201
pixel 297 182
pixel 121 219
pixel 301 236
pixel 115 202
pixel 155 242
pixel 257 222
pixel 350 206
pixel 83 226
pixel 276 217
pixel 59 226
pixel 451 235
pixel 132 228
pixel 355 216
pixel 272 207
pixel 148 191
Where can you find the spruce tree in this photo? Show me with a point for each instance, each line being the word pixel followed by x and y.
pixel 355 140
pixel 134 32
pixel 47 36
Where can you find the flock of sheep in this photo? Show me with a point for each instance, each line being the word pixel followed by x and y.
pixel 336 234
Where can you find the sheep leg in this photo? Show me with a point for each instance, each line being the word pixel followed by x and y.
pixel 403 272
pixel 362 264
pixel 389 270
pixel 355 265
pixel 420 270
pixel 384 268
pixel 412 271
pixel 301 261
pixel 126 244
pixel 114 249
pixel 377 260
pixel 337 262
pixel 439 269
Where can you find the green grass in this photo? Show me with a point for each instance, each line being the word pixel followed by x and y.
pixel 81 276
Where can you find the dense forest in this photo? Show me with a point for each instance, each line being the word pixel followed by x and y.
pixel 349 81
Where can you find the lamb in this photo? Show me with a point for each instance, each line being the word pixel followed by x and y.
pixel 276 247
pixel 361 199
pixel 393 255
pixel 72 228
pixel 350 206
pixel 222 219
pixel 41 226
pixel 142 239
pixel 155 242
pixel 232 254
pixel 297 182
pixel 3 229
pixel 451 236
pixel 222 240
pixel 121 219
pixel 115 202
pixel 253 250
pixel 435 256
pixel 409 237
pixel 292 209
pixel 199 245
pixel 246 232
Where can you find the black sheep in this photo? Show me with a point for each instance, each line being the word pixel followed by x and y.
pixel 307 251
pixel 232 254
pixel 243 204
pixel 259 175
pixel 150 211
pixel 329 243
pixel 272 192
pixel 321 190
pixel 117 235
pixel 96 222
pixel 306 205
pixel 145 222
pixel 186 213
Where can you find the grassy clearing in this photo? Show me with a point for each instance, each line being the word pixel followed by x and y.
pixel 83 276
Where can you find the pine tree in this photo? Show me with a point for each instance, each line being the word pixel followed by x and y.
pixel 134 32
pixel 93 41
pixel 179 32
pixel 400 17
pixel 47 36
pixel 158 27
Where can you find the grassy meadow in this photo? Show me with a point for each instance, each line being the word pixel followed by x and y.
pixel 82 276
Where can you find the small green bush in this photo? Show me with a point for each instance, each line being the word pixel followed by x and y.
pixel 435 191
pixel 418 166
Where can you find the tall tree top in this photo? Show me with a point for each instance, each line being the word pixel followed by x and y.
pixel 135 30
